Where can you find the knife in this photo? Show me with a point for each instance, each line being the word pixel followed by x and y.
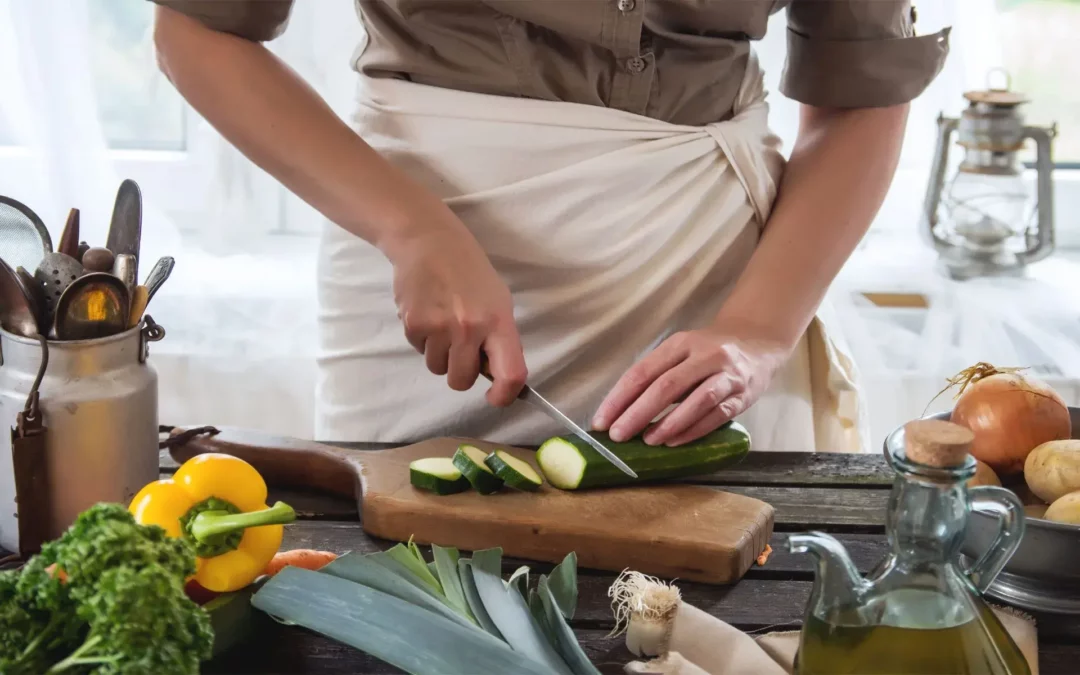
pixel 529 395
pixel 125 228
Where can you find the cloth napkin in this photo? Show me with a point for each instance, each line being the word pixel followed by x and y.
pixel 687 641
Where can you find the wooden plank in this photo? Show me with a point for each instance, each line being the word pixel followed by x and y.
pixel 759 468
pixel 833 509
pixel 866 550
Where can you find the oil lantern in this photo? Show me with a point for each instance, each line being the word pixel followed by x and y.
pixel 985 220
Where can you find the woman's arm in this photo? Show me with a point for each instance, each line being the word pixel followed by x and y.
pixel 840 169
pixel 451 301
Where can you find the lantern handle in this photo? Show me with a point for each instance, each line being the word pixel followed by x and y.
pixel 998 71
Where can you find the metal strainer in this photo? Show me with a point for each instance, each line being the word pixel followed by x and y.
pixel 24 240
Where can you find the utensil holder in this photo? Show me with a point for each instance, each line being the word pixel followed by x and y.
pixel 99 404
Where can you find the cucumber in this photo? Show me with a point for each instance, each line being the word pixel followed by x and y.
pixel 569 463
pixel 513 471
pixel 469 459
pixel 438 475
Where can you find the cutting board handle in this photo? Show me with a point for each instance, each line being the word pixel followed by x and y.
pixel 283 461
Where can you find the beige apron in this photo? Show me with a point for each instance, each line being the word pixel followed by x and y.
pixel 612 230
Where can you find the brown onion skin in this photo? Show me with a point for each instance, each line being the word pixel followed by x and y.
pixel 1010 416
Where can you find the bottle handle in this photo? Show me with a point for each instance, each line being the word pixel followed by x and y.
pixel 1010 530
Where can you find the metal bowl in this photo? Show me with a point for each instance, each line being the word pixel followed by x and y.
pixel 1042 576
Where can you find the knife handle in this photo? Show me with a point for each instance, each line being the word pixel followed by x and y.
pixel 485 367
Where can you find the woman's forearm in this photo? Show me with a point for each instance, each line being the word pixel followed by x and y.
pixel 271 115
pixel 839 172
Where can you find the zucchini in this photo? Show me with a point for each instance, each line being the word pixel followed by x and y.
pixel 513 471
pixel 569 463
pixel 469 459
pixel 438 475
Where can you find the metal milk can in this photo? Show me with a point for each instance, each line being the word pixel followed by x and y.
pixel 99 404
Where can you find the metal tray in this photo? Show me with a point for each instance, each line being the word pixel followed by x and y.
pixel 1042 576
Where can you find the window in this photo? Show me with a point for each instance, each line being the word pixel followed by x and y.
pixel 138 108
pixel 1037 39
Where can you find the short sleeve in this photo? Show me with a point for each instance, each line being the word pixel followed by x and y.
pixel 257 20
pixel 858 53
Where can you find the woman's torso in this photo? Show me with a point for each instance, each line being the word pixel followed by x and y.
pixel 675 60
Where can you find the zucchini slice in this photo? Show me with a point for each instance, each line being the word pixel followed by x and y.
pixel 570 463
pixel 469 459
pixel 438 475
pixel 513 471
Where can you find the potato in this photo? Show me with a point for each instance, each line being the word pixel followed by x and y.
pixel 1052 470
pixel 1065 509
pixel 984 475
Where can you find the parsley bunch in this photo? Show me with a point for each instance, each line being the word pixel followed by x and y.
pixel 105 598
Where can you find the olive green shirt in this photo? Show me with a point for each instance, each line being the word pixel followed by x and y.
pixel 676 60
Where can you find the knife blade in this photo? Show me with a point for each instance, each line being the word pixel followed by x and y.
pixel 530 395
pixel 125 228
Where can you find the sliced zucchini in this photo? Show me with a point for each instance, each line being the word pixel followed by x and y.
pixel 570 463
pixel 513 471
pixel 469 459
pixel 438 475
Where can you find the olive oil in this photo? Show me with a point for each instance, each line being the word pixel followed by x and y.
pixel 979 646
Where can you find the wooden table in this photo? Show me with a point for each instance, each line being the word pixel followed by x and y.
pixel 842 494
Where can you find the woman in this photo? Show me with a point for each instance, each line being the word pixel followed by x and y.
pixel 589 187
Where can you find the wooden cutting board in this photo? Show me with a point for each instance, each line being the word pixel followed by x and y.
pixel 667 530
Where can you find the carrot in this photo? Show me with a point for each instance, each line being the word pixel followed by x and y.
pixel 761 559
pixel 304 558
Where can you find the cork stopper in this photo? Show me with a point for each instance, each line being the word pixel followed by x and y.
pixel 937 443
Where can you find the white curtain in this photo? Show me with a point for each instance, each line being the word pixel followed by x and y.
pixel 240 307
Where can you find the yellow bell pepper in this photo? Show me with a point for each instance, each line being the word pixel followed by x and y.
pixel 218 502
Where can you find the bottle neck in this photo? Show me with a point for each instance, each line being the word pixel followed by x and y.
pixel 926 521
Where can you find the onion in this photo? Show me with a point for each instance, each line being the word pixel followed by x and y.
pixel 1010 414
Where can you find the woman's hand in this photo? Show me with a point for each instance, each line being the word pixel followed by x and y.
pixel 453 305
pixel 715 373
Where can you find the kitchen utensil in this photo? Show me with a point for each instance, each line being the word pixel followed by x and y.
pixel 158 275
pixel 125 228
pixel 124 269
pixel 69 238
pixel 529 395
pixel 24 239
pixel 1039 577
pixel 99 401
pixel 670 530
pixel 97 259
pixel 37 299
pixel 17 311
pixel 921 611
pixel 54 274
pixel 94 306
pixel 83 248
pixel 139 297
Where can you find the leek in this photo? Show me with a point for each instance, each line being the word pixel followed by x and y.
pixel 446 564
pixel 468 584
pixel 564 639
pixel 520 580
pixel 365 571
pixel 408 637
pixel 563 585
pixel 409 557
pixel 509 611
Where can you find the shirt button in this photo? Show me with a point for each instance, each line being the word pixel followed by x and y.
pixel 636 65
pixel 627 5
